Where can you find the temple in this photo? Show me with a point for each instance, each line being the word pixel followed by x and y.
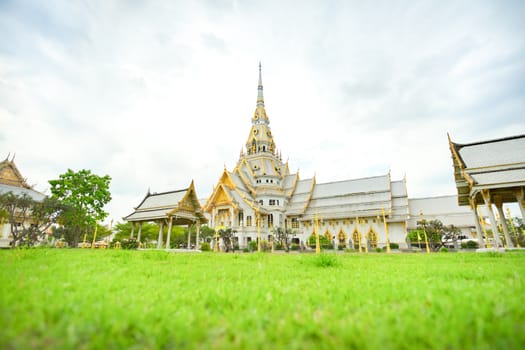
pixel 261 193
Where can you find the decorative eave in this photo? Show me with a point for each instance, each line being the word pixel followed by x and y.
pixel 190 196
pixel 464 182
pixel 213 198
pixel 10 166
pixel 309 195
pixel 294 185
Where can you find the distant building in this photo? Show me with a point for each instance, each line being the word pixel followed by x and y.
pixel 11 180
pixel 444 209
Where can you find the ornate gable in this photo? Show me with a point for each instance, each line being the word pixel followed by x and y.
pixel 10 175
pixel 220 196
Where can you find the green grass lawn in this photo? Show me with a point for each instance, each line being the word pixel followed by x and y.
pixel 96 299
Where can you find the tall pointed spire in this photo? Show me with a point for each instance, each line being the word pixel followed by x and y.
pixel 260 97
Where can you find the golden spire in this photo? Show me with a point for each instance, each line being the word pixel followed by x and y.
pixel 260 97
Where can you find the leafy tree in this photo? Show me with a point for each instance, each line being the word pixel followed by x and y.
pixel 29 219
pixel 86 194
pixel 437 234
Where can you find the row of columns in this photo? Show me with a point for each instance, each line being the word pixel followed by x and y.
pixel 489 201
pixel 170 226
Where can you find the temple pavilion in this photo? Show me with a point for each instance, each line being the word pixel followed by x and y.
pixel 490 173
pixel 179 207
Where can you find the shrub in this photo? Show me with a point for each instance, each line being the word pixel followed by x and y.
pixel 294 246
pixel 205 247
pixel 130 243
pixel 326 260
pixel 470 245
pixel 245 250
pixel 443 250
pixel 340 247
pixel 394 246
pixel 379 250
pixel 252 245
pixel 327 246
pixel 235 247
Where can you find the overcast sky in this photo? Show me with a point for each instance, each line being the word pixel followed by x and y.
pixel 157 93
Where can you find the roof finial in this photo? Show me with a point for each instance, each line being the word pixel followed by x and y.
pixel 260 98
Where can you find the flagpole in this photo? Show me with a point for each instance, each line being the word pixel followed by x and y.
pixel 358 232
pixel 317 244
pixel 259 232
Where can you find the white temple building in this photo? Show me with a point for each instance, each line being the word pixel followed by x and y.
pixel 261 193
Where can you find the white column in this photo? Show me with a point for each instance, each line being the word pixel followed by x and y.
pixel 493 223
pixel 198 229
pixel 479 231
pixel 132 229
pixel 159 240
pixel 499 206
pixel 189 236
pixel 520 197
pixel 170 223
pixel 140 231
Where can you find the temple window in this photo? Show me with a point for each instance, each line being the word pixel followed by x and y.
pixel 248 221
pixel 261 202
pixel 270 220
pixel 272 201
pixel 295 223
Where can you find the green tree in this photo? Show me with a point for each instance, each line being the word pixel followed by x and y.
pixel 29 219
pixel 437 234
pixel 86 194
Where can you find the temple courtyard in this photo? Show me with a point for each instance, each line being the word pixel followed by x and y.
pixel 89 299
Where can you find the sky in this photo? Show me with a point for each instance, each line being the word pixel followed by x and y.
pixel 156 94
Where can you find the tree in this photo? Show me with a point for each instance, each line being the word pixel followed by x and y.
pixel 29 219
pixel 86 194
pixel 437 234
pixel 227 238
pixel 283 236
